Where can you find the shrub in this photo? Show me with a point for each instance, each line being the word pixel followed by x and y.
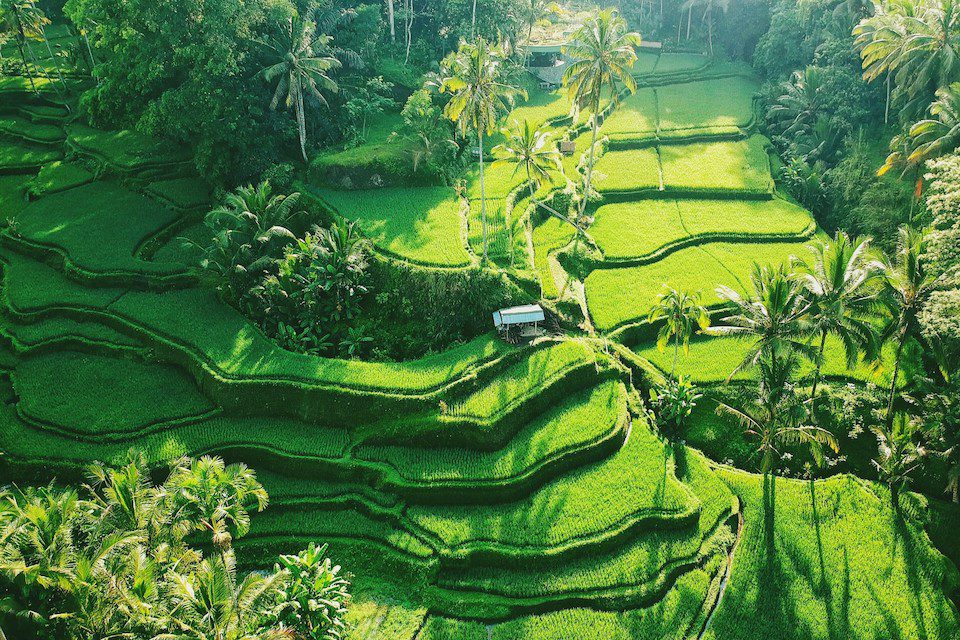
pixel 673 402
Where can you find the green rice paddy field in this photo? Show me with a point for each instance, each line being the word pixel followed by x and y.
pixel 488 490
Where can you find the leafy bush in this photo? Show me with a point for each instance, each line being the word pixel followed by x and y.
pixel 673 403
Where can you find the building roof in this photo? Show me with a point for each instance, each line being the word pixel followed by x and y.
pixel 518 315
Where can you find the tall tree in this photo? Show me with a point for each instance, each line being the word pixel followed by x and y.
pixel 214 498
pixel 601 54
pixel 908 286
pixel 842 284
pixel 940 133
pixel 773 316
pixel 301 70
pixel 480 93
pixel 917 42
pixel 529 148
pixel 680 312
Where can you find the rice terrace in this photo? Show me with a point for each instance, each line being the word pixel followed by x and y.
pixel 489 320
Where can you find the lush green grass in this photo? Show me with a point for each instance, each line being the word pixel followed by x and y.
pixel 719 103
pixel 624 171
pixel 13 194
pixel 639 228
pixel 714 359
pixel 124 150
pixel 382 148
pixel 718 166
pixel 589 503
pixel 832 559
pixel 746 217
pixel 419 224
pixel 31 131
pixel 16 157
pixel 75 222
pixel 181 193
pixel 575 424
pixel 634 118
pixel 104 395
pixel 646 62
pixel 620 295
pixel 674 63
pixel 549 235
pixel 60 176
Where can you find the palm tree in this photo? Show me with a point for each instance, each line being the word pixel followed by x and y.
pixel 941 132
pixel 529 147
pixel 917 41
pixel 248 232
pixel 475 78
pixel 907 287
pixel 301 70
pixel 898 453
pixel 797 108
pixel 773 316
pixel 775 416
pixel 26 18
pixel 601 53
pixel 680 311
pixel 842 285
pixel 209 603
pixel 215 498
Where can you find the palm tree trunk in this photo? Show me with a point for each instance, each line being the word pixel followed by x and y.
pixel 409 29
pixel 593 146
pixel 689 18
pixel 473 21
pixel 893 383
pixel 391 18
pixel 43 34
pixel 816 371
pixel 21 38
pixel 483 195
pixel 886 109
pixel 676 352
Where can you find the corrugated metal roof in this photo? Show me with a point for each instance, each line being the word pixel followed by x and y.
pixel 518 315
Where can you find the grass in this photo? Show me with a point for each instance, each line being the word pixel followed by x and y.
pixel 577 423
pixel 382 148
pixel 832 559
pixel 16 157
pixel 104 395
pixel 35 132
pixel 620 295
pixel 638 228
pixel 181 193
pixel 626 171
pixel 124 150
pixel 718 166
pixel 74 223
pixel 60 176
pixel 589 502
pixel 419 224
pixel 549 235
pixel 747 217
pixel 721 103
pixel 680 63
pixel 636 116
pixel 13 194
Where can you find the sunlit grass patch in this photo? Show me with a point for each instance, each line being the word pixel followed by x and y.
pixel 420 224
pixel 726 102
pixel 718 166
pixel 630 170
pixel 633 229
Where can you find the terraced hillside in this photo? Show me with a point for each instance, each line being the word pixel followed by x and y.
pixel 487 491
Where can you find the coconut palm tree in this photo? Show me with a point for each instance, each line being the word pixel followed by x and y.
pixel 773 316
pixel 476 79
pixel 529 147
pixel 214 498
pixel 899 454
pixel 248 232
pixel 680 311
pixel 301 70
pixel 210 604
pixel 25 19
pixel 940 133
pixel 797 108
pixel 601 53
pixel 842 284
pixel 775 417
pixel 908 284
pixel 917 41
